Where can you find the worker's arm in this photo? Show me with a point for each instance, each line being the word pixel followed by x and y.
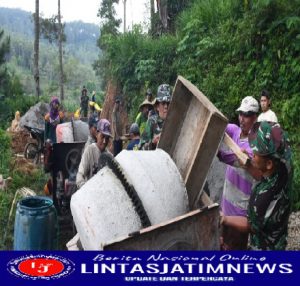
pixel 240 223
pixel 228 156
pixel 83 169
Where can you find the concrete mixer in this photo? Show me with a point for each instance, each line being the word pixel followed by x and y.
pixel 153 200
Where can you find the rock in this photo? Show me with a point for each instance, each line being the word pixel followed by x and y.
pixel 294 232
pixel 34 117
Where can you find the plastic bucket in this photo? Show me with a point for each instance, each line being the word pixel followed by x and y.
pixel 36 225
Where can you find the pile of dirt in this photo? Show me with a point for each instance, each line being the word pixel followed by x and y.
pixel 19 140
pixel 23 166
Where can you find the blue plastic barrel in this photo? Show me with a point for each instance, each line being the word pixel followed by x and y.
pixel 36 225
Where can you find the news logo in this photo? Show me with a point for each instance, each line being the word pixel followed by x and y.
pixel 40 266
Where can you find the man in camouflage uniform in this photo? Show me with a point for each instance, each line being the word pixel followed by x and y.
pixel 145 107
pixel 269 205
pixel 84 102
pixel 156 120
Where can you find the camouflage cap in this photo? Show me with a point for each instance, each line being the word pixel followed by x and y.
pixel 269 139
pixel 164 93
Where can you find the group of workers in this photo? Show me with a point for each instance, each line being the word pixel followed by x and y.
pixel 256 196
pixel 145 131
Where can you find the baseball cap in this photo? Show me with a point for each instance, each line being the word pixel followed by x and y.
pixel 249 104
pixel 104 127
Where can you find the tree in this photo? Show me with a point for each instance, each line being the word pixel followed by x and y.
pixel 152 13
pixel 109 24
pixel 60 39
pixel 168 11
pixel 36 48
pixel 4 50
pixel 109 28
pixel 53 30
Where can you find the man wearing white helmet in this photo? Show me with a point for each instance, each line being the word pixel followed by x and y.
pixel 238 181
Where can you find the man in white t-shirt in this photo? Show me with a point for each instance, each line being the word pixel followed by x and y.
pixel 89 161
pixel 265 103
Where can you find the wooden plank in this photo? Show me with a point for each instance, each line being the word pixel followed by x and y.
pixel 196 230
pixel 243 158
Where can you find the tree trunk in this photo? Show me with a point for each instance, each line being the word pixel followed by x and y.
pixel 61 83
pixel 152 14
pixel 124 2
pixel 36 48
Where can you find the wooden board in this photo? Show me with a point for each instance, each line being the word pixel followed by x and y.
pixel 196 230
pixel 191 135
pixel 235 149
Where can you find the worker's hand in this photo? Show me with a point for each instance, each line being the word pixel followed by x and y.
pixel 155 139
pixel 241 164
pixel 245 151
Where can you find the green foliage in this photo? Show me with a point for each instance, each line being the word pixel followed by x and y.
pixel 35 182
pixel 4 47
pixel 11 104
pixel 4 76
pixel 6 236
pixel 4 152
pixel 109 23
pixel 296 179
pixel 10 87
pixel 50 29
pixel 231 49
pixel 145 69
pixel 136 60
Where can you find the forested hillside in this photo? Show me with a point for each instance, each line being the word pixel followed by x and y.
pixel 80 51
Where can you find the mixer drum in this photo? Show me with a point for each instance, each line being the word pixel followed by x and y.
pixel 138 189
